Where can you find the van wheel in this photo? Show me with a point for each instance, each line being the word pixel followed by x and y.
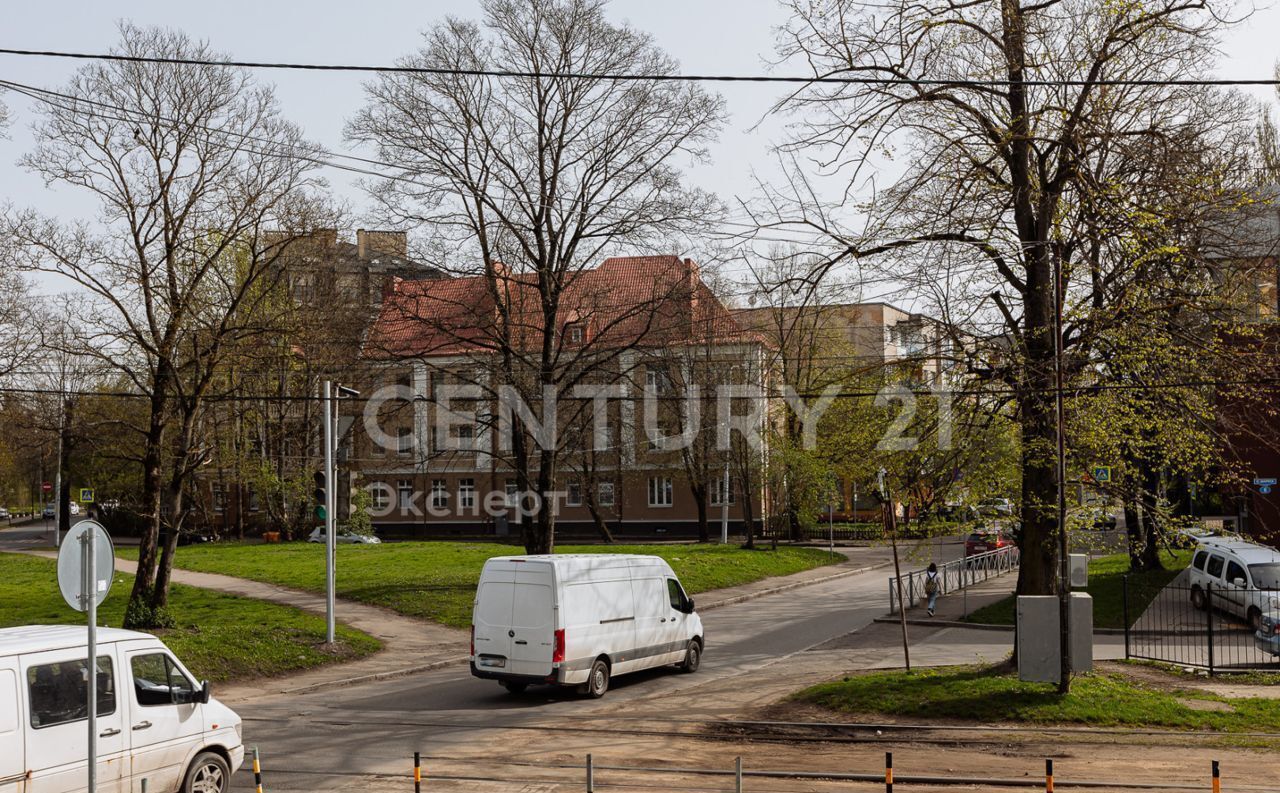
pixel 1255 619
pixel 208 773
pixel 1197 598
pixel 598 682
pixel 692 657
pixel 515 688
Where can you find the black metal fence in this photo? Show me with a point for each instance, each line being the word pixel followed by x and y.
pixel 1193 627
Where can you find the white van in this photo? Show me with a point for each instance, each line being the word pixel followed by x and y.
pixel 154 722
pixel 579 619
pixel 1244 577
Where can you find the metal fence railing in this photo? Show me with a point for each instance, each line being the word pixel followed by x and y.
pixel 956 575
pixel 1199 627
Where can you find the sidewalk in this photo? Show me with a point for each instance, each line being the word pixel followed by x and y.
pixel 408 645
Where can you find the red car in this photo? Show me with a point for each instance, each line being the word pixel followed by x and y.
pixel 984 541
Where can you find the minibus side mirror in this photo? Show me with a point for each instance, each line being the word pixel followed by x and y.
pixel 1238 581
pixel 203 696
pixel 688 605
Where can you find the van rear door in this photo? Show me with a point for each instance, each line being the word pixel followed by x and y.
pixel 12 757
pixel 492 618
pixel 533 620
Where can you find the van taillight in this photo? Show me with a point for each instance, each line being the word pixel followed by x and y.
pixel 557 655
pixel 473 641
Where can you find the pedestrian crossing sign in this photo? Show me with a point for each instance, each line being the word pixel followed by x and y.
pixel 86 495
pixel 1102 474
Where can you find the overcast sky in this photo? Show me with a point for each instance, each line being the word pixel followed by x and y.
pixel 724 36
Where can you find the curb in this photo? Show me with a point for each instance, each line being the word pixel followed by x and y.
pixel 981 626
pixel 788 587
pixel 377 676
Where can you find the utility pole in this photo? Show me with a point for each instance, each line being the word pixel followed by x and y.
pixel 1064 562
pixel 724 507
pixel 891 528
pixel 330 539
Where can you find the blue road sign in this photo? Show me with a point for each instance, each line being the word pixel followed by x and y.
pixel 1267 481
pixel 1102 473
pixel 1265 490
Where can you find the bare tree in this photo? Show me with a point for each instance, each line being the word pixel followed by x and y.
pixel 1021 143
pixel 189 164
pixel 529 181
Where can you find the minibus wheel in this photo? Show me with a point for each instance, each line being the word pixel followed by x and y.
pixel 692 657
pixel 209 773
pixel 598 681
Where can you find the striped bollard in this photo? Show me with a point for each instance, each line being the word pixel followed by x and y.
pixel 257 771
pixel 737 774
pixel 417 772
pixel 591 775
pixel 888 772
pixel 1217 781
pixel 1048 776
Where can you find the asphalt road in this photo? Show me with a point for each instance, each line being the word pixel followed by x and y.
pixel 375 728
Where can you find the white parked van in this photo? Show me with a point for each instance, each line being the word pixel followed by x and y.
pixel 1244 577
pixel 580 619
pixel 154 722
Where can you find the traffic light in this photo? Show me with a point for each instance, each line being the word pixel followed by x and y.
pixel 321 496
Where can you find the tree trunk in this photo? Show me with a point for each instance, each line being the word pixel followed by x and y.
pixel 596 517
pixel 144 579
pixel 700 499
pixel 1037 573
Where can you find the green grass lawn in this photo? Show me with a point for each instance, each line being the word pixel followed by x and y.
pixel 219 637
pixel 985 694
pixel 437 580
pixel 1106 585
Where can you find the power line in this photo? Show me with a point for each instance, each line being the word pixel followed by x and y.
pixel 841 79
pixel 1069 391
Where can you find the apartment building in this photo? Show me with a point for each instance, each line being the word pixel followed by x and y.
pixel 456 409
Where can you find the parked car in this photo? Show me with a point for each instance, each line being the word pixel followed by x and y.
pixel 985 540
pixel 344 536
pixel 1267 637
pixel 994 507
pixel 579 620
pixel 1244 577
pixel 1095 518
pixel 4 513
pixel 154 722
pixel 49 512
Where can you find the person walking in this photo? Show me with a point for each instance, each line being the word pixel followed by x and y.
pixel 932 586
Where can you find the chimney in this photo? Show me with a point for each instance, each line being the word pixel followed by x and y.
pixel 371 243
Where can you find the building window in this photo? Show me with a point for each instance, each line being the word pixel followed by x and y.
pixel 404 441
pixel 659 491
pixel 466 437
pixel 219 497
pixel 658 379
pixel 573 494
pixel 574 333
pixel 604 494
pixel 255 501
pixel 662 432
pixel 436 380
pixel 404 493
pixel 718 492
pixel 513 493
pixel 381 497
pixel 439 495
pixel 466 493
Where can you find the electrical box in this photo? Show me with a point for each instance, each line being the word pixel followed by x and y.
pixel 1039 635
pixel 1079 568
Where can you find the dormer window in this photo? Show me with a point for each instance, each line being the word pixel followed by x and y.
pixel 573 333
